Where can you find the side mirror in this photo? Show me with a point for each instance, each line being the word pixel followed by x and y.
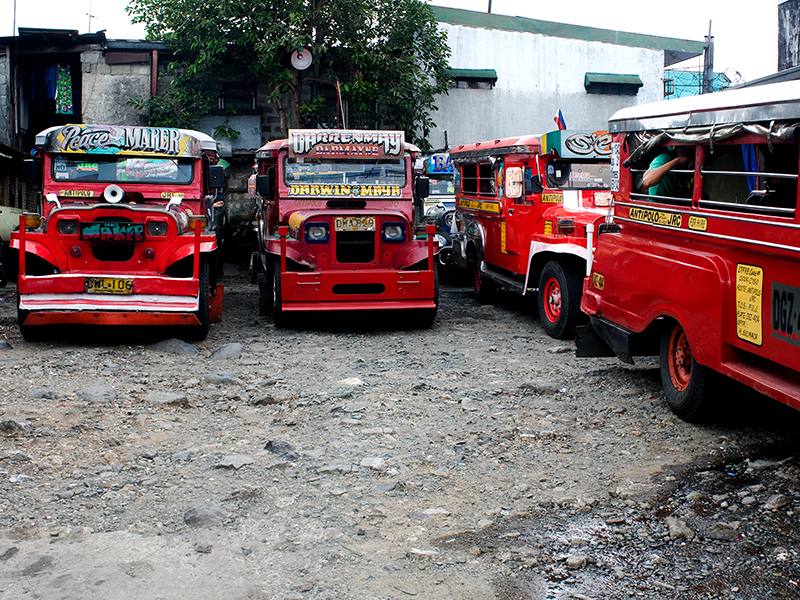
pixel 216 177
pixel 263 187
pixel 534 185
pixel 32 172
pixel 423 188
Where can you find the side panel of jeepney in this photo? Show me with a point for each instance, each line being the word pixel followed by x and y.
pixel 723 261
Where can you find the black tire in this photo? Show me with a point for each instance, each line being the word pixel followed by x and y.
pixel 278 315
pixel 264 293
pixel 685 382
pixel 200 332
pixel 559 300
pixel 427 316
pixel 483 289
pixel 30 333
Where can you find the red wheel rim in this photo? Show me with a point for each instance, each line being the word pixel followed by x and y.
pixel 552 300
pixel 680 359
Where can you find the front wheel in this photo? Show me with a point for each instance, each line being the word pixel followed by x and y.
pixel 559 300
pixel 483 289
pixel 30 333
pixel 683 379
pixel 264 292
pixel 278 314
pixel 199 332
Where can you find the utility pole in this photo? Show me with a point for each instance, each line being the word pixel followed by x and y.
pixel 490 7
pixel 91 16
pixel 708 64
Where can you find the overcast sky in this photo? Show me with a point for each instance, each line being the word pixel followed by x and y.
pixel 745 33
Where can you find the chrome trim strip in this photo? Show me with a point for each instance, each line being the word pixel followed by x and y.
pixel 706 214
pixel 713 235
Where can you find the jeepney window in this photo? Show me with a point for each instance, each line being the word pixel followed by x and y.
pixel 760 178
pixel 578 175
pixel 325 171
pixel 442 187
pixel 477 179
pixel 88 168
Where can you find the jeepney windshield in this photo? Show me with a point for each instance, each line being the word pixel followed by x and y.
pixel 324 171
pixel 119 169
pixel 443 186
pixel 578 176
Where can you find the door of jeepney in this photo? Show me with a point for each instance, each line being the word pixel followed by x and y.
pixel 520 210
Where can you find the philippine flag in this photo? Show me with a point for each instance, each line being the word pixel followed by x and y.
pixel 559 119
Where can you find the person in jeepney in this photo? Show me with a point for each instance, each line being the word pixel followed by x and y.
pixel 659 180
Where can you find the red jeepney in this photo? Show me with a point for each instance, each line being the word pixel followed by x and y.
pixel 121 236
pixel 705 278
pixel 526 210
pixel 337 214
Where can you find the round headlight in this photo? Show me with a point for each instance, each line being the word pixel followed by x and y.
pixel 157 228
pixel 316 233
pixel 393 232
pixel 68 226
pixel 449 220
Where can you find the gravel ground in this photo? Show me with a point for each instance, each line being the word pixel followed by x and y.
pixel 358 457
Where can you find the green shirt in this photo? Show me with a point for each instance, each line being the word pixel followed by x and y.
pixel 676 185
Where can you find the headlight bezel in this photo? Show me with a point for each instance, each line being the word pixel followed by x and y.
pixel 152 225
pixel 317 227
pixel 68 227
pixel 393 239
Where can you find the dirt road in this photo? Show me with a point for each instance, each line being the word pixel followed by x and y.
pixel 350 457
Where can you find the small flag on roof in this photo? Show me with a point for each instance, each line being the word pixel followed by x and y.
pixel 559 119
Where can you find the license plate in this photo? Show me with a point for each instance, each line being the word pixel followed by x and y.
pixel 112 231
pixel 108 285
pixel 355 224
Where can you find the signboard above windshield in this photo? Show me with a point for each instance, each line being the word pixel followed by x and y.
pixel 346 144
pixel 106 139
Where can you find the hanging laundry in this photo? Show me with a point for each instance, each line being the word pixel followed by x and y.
pixel 51 81
pixel 63 91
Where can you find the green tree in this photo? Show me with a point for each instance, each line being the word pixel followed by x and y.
pixel 388 57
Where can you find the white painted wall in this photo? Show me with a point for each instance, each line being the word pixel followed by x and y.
pixel 536 76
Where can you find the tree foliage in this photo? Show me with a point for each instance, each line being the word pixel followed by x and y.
pixel 388 57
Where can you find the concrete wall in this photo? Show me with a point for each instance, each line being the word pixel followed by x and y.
pixel 789 35
pixel 536 76
pixel 107 88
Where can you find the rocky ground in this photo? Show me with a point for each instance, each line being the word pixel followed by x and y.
pixel 357 457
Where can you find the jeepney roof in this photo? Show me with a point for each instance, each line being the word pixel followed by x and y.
pixel 123 139
pixel 528 144
pixel 765 103
pixel 275 145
